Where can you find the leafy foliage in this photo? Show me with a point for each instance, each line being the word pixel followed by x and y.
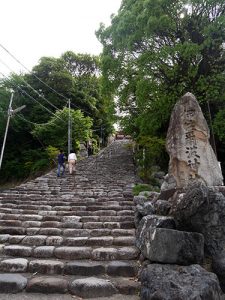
pixel 45 92
pixel 54 133
pixel 157 50
pixel 150 153
pixel 219 125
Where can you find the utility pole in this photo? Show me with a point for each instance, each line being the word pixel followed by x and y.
pixel 69 129
pixel 11 112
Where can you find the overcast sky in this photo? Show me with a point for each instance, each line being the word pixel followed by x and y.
pixel 31 29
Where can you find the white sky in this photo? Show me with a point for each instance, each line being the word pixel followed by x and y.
pixel 30 29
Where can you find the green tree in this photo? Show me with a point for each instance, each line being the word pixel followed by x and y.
pixel 54 132
pixel 55 80
pixel 4 103
pixel 157 50
pixel 45 92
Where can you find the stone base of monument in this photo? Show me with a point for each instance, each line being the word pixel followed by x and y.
pixel 177 234
pixel 179 282
pixel 173 247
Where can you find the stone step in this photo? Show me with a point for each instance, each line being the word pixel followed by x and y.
pixel 70 206
pixel 34 204
pixel 65 221
pixel 74 234
pixel 94 287
pixel 57 218
pixel 42 215
pixel 73 267
pixel 44 240
pixel 71 253
pixel 112 210
pixel 66 232
pixel 60 200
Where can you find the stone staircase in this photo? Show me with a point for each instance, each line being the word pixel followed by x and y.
pixel 74 234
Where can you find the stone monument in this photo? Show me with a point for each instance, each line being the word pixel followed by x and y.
pixel 191 155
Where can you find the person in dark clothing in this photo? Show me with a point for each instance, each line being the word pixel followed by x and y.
pixel 61 160
pixel 89 148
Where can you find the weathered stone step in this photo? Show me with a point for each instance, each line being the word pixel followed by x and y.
pixel 65 209
pixel 76 267
pixel 68 221
pixel 93 227
pixel 94 287
pixel 82 200
pixel 26 221
pixel 66 227
pixel 67 232
pixel 71 229
pixel 25 202
pixel 61 210
pixel 71 253
pixel 44 240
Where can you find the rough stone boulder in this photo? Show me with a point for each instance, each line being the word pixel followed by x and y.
pixel 144 205
pixel 151 221
pixel 173 246
pixel 172 282
pixel 162 207
pixel 191 155
pixel 218 267
pixel 146 209
pixel 202 210
pixel 145 197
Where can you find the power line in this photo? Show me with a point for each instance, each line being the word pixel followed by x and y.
pixel 24 92
pixel 30 86
pixel 33 123
pixel 48 86
pixel 29 71
pixel 42 124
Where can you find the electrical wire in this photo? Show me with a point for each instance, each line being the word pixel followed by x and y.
pixel 82 110
pixel 48 86
pixel 28 95
pixel 33 123
pixel 30 86
pixel 43 124
pixel 29 71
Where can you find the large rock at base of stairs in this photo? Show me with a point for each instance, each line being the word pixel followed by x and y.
pixel 146 209
pixel 179 282
pixel 202 210
pixel 218 267
pixel 173 246
pixel 11 283
pixel 151 221
pixel 162 207
pixel 92 288
pixel 191 155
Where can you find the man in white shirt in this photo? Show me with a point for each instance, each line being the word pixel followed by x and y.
pixel 72 158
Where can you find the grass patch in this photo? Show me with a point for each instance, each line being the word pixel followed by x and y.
pixel 141 188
